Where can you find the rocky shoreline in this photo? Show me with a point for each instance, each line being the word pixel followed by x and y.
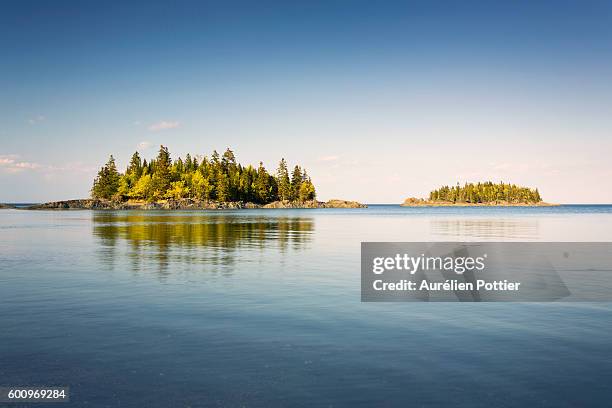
pixel 420 202
pixel 186 204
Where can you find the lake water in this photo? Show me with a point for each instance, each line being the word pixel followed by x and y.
pixel 262 308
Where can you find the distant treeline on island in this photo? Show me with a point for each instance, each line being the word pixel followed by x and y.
pixel 218 178
pixel 487 193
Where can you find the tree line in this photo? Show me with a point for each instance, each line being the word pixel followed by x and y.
pixel 218 178
pixel 486 192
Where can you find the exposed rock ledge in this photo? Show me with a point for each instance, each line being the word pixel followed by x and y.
pixel 186 204
pixel 315 204
pixel 420 202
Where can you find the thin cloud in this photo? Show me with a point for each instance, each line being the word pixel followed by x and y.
pixel 164 125
pixel 28 165
pixel 329 158
pixel 143 145
pixel 10 163
pixel 7 160
pixel 36 119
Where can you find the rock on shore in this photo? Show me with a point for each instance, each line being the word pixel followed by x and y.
pixel 344 204
pixel 185 204
pixel 5 206
pixel 315 204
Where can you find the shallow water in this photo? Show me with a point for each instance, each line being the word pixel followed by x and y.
pixel 262 308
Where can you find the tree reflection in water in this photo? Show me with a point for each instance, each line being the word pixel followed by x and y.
pixel 213 242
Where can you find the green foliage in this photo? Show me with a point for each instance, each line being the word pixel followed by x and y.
pixel 177 190
pixel 307 191
pixel 106 184
pixel 221 178
pixel 284 184
pixel 262 185
pixel 201 186
pixel 124 187
pixel 134 170
pixel 161 173
pixel 223 187
pixel 486 193
pixel 143 190
pixel 296 182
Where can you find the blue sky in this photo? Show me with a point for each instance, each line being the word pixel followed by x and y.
pixel 379 100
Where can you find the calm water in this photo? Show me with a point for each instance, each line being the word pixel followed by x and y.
pixel 261 308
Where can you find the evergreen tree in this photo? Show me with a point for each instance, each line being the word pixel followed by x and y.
pixel 228 160
pixel 223 187
pixel 214 158
pixel 178 169
pixel 537 197
pixel 296 182
pixel 262 185
pixel 161 173
pixel 134 170
pixel 283 182
pixel 189 163
pixel 106 183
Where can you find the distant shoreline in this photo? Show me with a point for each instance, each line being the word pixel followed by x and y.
pixel 492 204
pixel 186 204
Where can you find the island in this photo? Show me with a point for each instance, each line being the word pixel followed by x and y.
pixel 480 194
pixel 218 182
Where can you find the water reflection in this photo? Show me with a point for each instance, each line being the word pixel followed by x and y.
pixel 466 229
pixel 217 241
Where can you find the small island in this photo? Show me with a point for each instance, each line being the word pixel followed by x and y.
pixel 480 194
pixel 218 182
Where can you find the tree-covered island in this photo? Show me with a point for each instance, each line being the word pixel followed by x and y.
pixel 220 178
pixel 487 193
pixel 206 183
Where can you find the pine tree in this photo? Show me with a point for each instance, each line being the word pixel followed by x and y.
pixel 214 158
pixel 223 187
pixel 283 182
pixel 262 184
pixel 296 182
pixel 106 184
pixel 188 163
pixel 134 170
pixel 228 160
pixel 161 175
